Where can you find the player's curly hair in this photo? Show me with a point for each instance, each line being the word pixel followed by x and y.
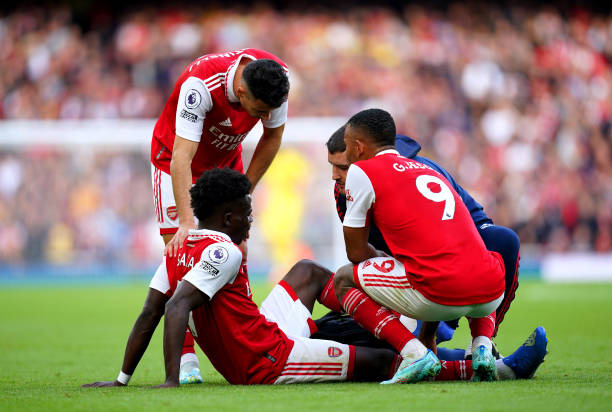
pixel 267 81
pixel 336 144
pixel 217 187
pixel 377 123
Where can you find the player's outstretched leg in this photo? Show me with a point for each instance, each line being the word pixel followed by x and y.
pixel 523 363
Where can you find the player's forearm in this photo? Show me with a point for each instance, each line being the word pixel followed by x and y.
pixel 139 340
pixel 357 247
pixel 359 254
pixel 175 325
pixel 180 171
pixel 264 154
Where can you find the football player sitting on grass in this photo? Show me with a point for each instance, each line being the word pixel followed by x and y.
pixel 206 287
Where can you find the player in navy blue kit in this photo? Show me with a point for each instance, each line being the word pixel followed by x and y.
pixel 496 238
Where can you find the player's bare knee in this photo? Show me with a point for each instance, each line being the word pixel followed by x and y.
pixel 307 272
pixel 152 311
pixel 343 281
pixel 154 305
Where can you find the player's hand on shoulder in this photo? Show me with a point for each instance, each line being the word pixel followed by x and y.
pixel 177 241
pixel 104 384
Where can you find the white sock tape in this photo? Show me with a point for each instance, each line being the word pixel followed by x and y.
pixel 124 378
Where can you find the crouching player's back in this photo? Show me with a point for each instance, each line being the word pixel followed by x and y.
pixel 427 228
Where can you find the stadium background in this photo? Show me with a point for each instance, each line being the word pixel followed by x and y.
pixel 515 101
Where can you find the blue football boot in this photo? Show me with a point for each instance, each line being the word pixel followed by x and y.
pixel 529 356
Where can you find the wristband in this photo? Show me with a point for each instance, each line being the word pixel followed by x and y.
pixel 124 378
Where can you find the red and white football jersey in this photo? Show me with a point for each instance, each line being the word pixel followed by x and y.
pixel 204 108
pixel 427 228
pixel 240 343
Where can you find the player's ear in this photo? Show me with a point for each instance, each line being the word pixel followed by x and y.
pixel 360 147
pixel 227 219
pixel 241 91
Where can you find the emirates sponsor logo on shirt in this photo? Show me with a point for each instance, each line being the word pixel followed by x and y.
pixel 223 141
pixel 334 352
pixel 171 212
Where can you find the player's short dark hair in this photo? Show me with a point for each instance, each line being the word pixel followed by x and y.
pixel 215 188
pixel 267 81
pixel 336 144
pixel 377 123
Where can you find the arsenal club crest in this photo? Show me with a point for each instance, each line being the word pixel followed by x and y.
pixel 172 213
pixel 334 352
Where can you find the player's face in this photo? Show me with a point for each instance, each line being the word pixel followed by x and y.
pixel 340 165
pixel 254 107
pixel 351 137
pixel 241 219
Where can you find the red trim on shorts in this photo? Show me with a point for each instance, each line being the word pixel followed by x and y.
pixel 160 211
pixel 351 364
pixel 356 276
pixel 312 368
pixel 314 372
pixel 289 290
pixel 168 230
pixel 312 325
pixel 387 285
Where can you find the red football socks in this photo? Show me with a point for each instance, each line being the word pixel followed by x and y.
pixel 482 326
pixel 328 296
pixel 455 371
pixel 188 343
pixel 376 319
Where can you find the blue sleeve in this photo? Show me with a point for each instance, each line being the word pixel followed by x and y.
pixel 476 210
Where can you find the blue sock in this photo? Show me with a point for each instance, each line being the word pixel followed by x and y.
pixel 451 354
pixel 444 332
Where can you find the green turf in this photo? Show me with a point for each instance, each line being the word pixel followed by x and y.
pixel 52 340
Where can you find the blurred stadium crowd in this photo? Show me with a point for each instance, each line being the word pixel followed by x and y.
pixel 516 103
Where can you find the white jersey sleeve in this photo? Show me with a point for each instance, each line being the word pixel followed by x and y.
pixel 359 197
pixel 219 265
pixel 278 117
pixel 193 103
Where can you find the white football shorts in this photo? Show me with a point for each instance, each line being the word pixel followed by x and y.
pixel 310 360
pixel 165 205
pixel 384 280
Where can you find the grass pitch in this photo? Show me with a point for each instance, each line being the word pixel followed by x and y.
pixel 52 340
